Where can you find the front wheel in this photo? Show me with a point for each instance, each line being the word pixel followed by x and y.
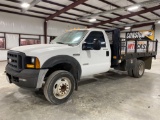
pixel 59 87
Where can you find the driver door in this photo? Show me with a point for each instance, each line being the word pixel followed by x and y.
pixel 95 61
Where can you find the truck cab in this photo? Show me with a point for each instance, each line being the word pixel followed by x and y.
pixel 77 53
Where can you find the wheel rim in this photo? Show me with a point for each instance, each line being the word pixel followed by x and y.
pixel 141 69
pixel 62 88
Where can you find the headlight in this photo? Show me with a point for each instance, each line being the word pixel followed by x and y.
pixel 32 60
pixel 32 63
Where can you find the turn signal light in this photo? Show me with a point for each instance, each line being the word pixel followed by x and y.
pixel 37 63
pixel 30 66
pixel 114 57
pixel 33 63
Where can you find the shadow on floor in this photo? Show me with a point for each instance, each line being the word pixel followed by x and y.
pixel 111 75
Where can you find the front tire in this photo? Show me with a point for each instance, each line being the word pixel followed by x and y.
pixel 59 87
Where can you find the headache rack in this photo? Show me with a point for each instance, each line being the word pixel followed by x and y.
pixel 135 48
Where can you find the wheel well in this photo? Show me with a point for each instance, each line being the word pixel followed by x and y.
pixel 147 61
pixel 62 66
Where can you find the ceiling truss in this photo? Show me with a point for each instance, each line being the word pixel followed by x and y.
pixel 65 15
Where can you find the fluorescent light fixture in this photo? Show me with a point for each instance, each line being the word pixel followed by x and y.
pixel 127 28
pixel 92 20
pixel 25 5
pixel 158 22
pixel 133 8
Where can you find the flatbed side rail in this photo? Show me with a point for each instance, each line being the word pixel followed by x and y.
pixel 133 48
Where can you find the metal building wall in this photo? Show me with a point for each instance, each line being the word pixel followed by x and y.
pixel 28 25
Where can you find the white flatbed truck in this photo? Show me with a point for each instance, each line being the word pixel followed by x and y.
pixel 58 67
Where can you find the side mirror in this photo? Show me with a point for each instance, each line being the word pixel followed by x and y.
pixel 96 44
pixel 86 46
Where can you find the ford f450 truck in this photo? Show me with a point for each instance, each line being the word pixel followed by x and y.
pixel 58 67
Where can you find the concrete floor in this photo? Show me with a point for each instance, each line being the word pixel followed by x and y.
pixel 110 96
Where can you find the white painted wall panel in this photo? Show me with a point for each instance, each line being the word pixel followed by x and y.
pixel 29 25
pixel 3 55
pixel 157 36
pixel 57 28
pixel 143 28
pixel 1 34
pixel 157 32
pixel 20 24
pixel 122 35
pixel 12 40
pixel 42 40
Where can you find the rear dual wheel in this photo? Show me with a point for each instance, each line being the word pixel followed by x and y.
pixel 138 69
pixel 130 72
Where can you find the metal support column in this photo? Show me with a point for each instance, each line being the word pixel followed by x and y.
pixel 45 32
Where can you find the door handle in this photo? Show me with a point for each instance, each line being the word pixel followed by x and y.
pixel 107 53
pixel 105 49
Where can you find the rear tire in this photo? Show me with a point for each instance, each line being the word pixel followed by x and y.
pixel 59 87
pixel 130 72
pixel 139 69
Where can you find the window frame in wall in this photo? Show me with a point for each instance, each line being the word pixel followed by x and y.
pixel 21 36
pixel 29 40
pixel 4 40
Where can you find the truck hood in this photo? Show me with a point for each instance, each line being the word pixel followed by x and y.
pixel 45 51
pixel 40 48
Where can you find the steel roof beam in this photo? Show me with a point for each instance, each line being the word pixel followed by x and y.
pixel 101 10
pixel 126 16
pixel 74 4
pixel 114 5
pixel 79 10
pixel 117 9
pixel 43 13
pixel 18 13
pixel 132 1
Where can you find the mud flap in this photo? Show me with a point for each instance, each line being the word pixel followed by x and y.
pixel 130 63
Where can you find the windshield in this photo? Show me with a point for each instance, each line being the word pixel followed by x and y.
pixel 70 38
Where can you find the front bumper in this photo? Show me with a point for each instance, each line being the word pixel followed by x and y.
pixel 27 78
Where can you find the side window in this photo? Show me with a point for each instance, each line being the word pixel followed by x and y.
pixel 96 35
pixel 29 41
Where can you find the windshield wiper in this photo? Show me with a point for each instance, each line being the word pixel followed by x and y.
pixel 65 43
